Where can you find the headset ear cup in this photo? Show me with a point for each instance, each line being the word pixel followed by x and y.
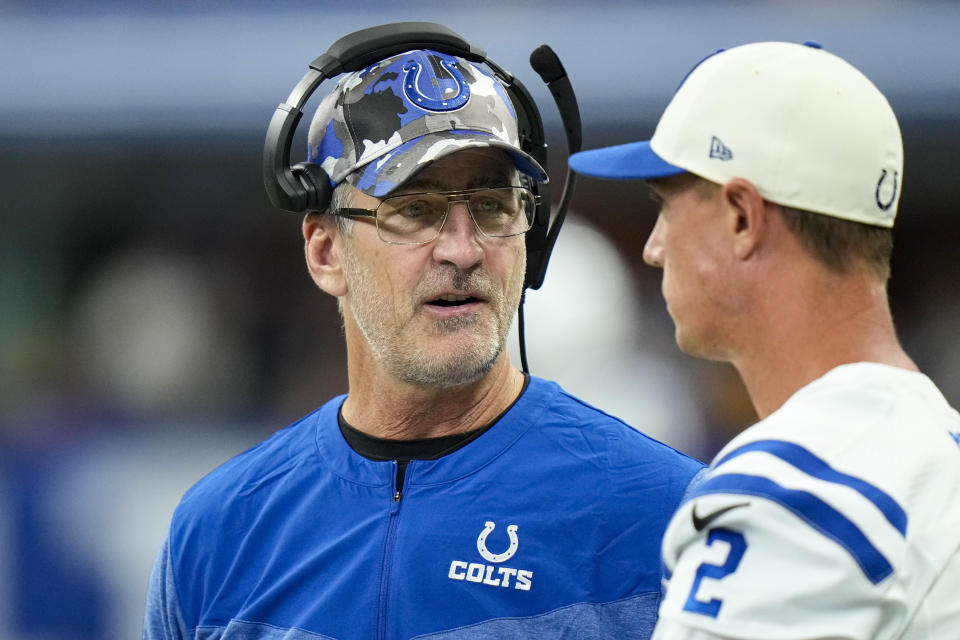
pixel 537 235
pixel 536 238
pixel 316 184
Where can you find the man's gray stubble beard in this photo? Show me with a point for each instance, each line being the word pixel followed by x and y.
pixel 401 356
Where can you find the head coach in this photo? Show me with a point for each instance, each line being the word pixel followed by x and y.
pixel 447 494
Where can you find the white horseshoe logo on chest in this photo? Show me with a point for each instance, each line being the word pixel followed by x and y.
pixel 497 557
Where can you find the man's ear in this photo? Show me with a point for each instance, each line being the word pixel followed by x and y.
pixel 748 216
pixel 323 247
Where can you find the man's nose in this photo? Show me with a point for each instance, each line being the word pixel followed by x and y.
pixel 459 239
pixel 653 249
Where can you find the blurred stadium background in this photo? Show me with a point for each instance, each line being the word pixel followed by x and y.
pixel 155 314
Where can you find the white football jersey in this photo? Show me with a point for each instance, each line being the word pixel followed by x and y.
pixel 838 516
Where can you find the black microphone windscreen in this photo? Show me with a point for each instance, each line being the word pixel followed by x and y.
pixel 546 63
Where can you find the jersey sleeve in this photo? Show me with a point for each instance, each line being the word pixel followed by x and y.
pixel 783 553
pixel 162 619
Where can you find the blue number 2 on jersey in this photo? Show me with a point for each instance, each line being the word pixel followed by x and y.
pixel 738 545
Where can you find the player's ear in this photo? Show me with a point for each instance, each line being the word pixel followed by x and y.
pixel 747 216
pixel 323 247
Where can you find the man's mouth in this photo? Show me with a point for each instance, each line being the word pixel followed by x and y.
pixel 453 300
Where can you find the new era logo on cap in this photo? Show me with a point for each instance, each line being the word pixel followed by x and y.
pixel 719 150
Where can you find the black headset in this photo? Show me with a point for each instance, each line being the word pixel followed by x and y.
pixel 305 186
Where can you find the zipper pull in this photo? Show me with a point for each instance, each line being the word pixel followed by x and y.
pixel 401 472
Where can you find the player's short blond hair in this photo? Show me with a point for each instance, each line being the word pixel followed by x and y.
pixel 840 243
pixel 837 243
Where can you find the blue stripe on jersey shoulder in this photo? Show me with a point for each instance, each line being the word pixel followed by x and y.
pixel 814 466
pixel 813 510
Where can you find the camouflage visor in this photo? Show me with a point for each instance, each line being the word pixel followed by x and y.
pixel 382 125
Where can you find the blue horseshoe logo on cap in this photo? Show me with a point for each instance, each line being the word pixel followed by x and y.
pixel 497 557
pixel 455 88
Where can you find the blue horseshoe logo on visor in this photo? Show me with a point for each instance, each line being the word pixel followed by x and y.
pixel 454 89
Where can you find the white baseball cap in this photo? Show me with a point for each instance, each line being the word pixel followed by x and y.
pixel 804 126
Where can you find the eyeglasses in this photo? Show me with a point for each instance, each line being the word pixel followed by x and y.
pixel 417 218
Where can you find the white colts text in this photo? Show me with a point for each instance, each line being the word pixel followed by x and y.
pixel 502 577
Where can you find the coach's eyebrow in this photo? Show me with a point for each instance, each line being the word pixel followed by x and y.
pixel 477 182
pixel 419 184
pixel 499 179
